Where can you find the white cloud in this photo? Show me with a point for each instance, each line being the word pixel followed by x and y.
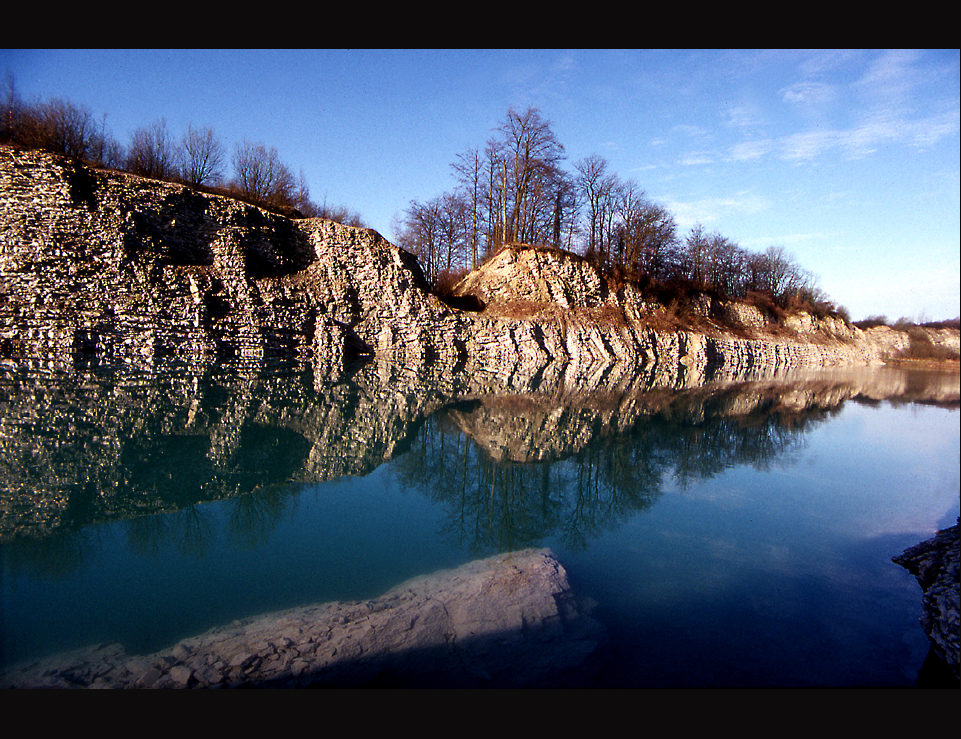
pixel 750 150
pixel 894 101
pixel 807 145
pixel 744 116
pixel 889 79
pixel 709 210
pixel 696 158
pixel 691 130
pixel 875 131
pixel 930 131
pixel 808 93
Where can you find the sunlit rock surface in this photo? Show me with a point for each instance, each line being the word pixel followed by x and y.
pixel 109 267
pixel 106 267
pixel 557 305
pixel 507 621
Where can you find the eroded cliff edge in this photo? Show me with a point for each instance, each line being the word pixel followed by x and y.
pixel 108 267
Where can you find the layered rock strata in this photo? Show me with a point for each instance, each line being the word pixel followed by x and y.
pixel 559 308
pixel 508 621
pixel 107 267
pixel 124 269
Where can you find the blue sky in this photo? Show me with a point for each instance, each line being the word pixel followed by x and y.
pixel 849 159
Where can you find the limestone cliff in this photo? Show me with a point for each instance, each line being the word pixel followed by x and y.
pixel 570 312
pixel 111 268
pixel 105 265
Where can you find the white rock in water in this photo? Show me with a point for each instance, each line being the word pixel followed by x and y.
pixel 506 621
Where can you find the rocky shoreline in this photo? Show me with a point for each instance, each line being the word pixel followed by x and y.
pixel 935 563
pixel 505 622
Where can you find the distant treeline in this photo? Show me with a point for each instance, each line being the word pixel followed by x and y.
pixel 906 324
pixel 515 190
pixel 251 172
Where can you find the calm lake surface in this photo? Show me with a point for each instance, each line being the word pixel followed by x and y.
pixel 729 535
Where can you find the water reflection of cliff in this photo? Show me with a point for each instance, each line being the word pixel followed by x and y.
pixel 513 471
pixel 514 458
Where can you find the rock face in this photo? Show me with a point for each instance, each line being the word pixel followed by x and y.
pixel 935 563
pixel 111 268
pixel 124 269
pixel 507 621
pixel 555 304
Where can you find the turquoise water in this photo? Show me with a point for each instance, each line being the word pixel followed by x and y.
pixel 724 542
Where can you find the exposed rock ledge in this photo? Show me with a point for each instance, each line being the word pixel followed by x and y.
pixel 507 621
pixel 108 267
pixel 935 563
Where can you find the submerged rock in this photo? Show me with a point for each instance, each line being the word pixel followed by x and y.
pixel 506 621
pixel 935 563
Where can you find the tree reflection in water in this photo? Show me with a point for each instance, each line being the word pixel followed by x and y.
pixel 513 465
pixel 148 505
pixel 594 477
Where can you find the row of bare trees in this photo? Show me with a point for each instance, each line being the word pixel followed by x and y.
pixel 197 158
pixel 515 190
pixel 512 191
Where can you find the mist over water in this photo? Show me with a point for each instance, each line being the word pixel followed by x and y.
pixel 730 534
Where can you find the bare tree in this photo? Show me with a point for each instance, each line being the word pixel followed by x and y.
pixel 59 126
pixel 68 127
pixel 496 196
pixel 515 191
pixel 103 150
pixel 151 152
pixel 454 229
pixel 649 233
pixel 719 263
pixel 203 157
pixel 302 201
pixel 421 234
pixel 469 170
pixel 261 176
pixel 596 186
pixel 787 280
pixel 566 211
pixel 11 110
pixel 695 254
pixel 529 156
pixel 609 195
pixel 775 272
